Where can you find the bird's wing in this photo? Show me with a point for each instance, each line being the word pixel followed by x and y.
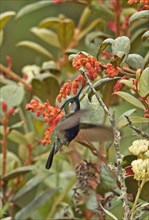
pixel 71 120
pixel 92 132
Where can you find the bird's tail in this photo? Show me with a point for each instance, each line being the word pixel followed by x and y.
pixel 54 150
pixel 50 158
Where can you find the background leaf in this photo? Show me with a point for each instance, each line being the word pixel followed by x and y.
pixel 46 87
pixel 132 187
pixel 121 44
pixel 65 32
pixel 5 17
pixel 35 204
pixel 36 47
pixel 13 94
pixel 135 61
pixel 17 172
pixel 33 182
pixel 144 82
pixel 131 99
pixel 139 15
pixel 107 180
pixel 46 35
pixel 32 7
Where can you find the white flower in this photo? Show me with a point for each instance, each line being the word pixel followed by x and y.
pixel 141 169
pixel 139 147
pixel 146 154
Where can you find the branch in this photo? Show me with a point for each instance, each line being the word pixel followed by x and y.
pixel 137 130
pixel 10 74
pixel 116 132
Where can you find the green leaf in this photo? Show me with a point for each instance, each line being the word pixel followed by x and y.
pixel 128 11
pixel 35 47
pixel 92 36
pixel 16 125
pixel 102 10
pixel 4 210
pixel 33 182
pixel 50 67
pixel 22 152
pixel 46 87
pixel 128 159
pixel 128 83
pixel 144 82
pixel 139 15
pixel 135 61
pixel 109 213
pixel 134 119
pixel 46 35
pixel 121 44
pixel 132 187
pixel 99 84
pixel 145 36
pixel 103 45
pixel 1 37
pixel 17 137
pixel 107 180
pixel 32 7
pixel 50 23
pixel 65 32
pixel 84 16
pixel 5 17
pixel 135 39
pixel 35 204
pixel 95 23
pixel 121 119
pixel 12 94
pixel 131 99
pixel 12 162
pixel 17 172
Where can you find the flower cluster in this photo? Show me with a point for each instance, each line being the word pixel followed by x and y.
pixel 141 169
pixel 112 71
pixel 71 87
pixel 140 166
pixel 91 66
pixel 140 148
pixel 138 1
pixel 88 62
pixel 51 115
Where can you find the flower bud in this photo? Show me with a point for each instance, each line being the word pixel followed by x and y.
pixel 11 111
pixel 4 106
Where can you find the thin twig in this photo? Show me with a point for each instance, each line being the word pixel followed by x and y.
pixel 10 74
pixel 4 146
pixel 137 130
pixel 117 148
pixel 126 72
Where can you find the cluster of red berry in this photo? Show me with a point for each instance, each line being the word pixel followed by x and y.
pixel 137 1
pixel 52 115
pixel 112 71
pixel 91 66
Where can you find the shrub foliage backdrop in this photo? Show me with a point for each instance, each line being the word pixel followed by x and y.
pixel 104 53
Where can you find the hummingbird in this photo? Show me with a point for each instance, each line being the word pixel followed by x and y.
pixel 70 128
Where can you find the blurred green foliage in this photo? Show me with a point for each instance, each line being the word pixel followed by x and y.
pixel 36 47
